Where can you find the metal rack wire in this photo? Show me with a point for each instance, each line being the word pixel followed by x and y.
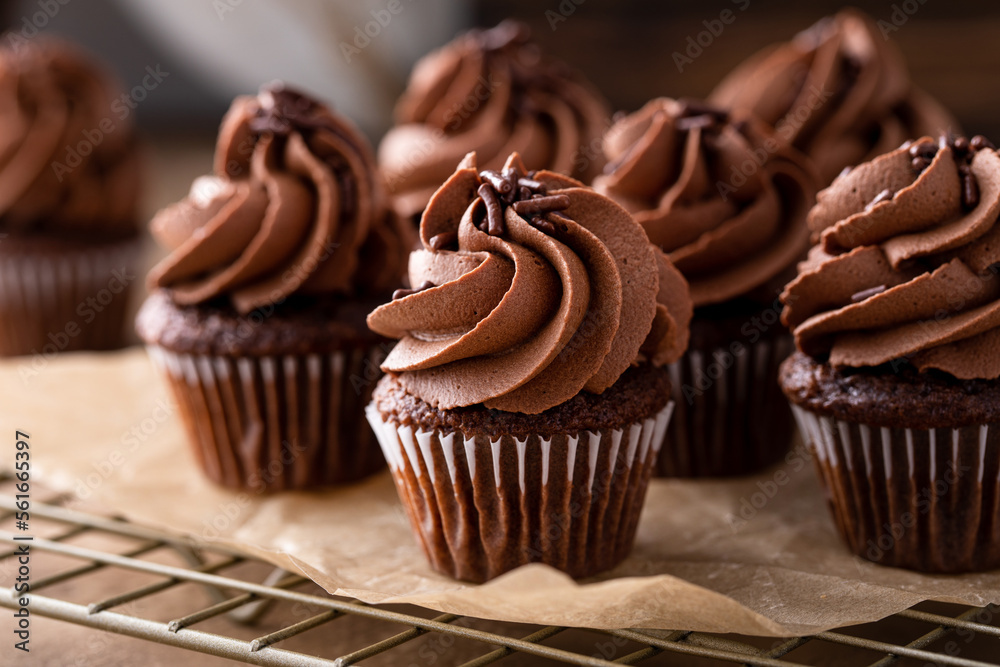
pixel 244 601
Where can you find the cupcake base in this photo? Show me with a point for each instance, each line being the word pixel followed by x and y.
pixel 731 418
pixel 270 403
pixel 486 494
pixel 913 487
pixel 64 296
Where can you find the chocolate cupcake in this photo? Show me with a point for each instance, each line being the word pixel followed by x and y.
pixel 257 316
pixel 838 92
pixel 526 400
pixel 896 315
pixel 69 182
pixel 727 202
pixel 492 92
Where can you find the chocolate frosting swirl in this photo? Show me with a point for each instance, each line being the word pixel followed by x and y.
pixel 906 263
pixel 69 162
pixel 295 206
pixel 492 92
pixel 721 196
pixel 520 313
pixel 839 92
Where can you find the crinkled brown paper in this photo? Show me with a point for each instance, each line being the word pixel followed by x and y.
pixel 758 556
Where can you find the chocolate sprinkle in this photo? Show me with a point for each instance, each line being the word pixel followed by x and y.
pixel 923 149
pixel 444 241
pixel 511 176
pixel 964 151
pixel 494 212
pixel 400 293
pixel 506 34
pixel 864 294
pixel 691 122
pixel 961 145
pixel 499 183
pixel 283 108
pixel 970 190
pixel 540 223
pixel 885 195
pixel 979 142
pixel 542 204
pixel 526 195
pixel 920 163
pixel 691 107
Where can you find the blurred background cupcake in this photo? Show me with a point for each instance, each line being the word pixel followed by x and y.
pixel 727 201
pixel 839 91
pixel 69 188
pixel 526 400
pixel 257 317
pixel 896 384
pixel 493 92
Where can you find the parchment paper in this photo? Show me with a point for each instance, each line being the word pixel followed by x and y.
pixel 757 556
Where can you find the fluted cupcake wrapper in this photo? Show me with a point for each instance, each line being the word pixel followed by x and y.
pixel 480 507
pixel 925 500
pixel 65 300
pixel 731 417
pixel 276 423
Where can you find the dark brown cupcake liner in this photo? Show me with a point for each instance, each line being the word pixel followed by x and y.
pixel 480 507
pixel 731 416
pixel 64 299
pixel 276 423
pixel 922 499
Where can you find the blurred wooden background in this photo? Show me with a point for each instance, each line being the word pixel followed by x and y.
pixel 952 48
pixel 624 46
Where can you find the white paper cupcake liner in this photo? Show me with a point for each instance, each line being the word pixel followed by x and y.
pixel 61 301
pixel 731 417
pixel 276 422
pixel 926 500
pixel 481 506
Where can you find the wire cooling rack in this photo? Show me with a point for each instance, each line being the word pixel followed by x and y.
pixel 945 635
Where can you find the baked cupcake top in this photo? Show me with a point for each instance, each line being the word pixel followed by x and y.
pixel 531 288
pixel 906 263
pixel 69 162
pixel 295 206
pixel 838 91
pixel 492 92
pixel 722 196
